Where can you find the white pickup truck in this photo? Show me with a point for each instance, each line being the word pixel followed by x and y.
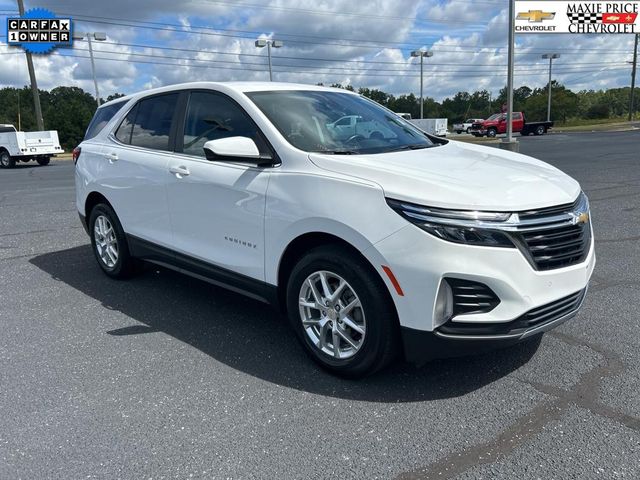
pixel 26 146
pixel 466 126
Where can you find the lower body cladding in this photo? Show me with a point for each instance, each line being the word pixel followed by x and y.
pixel 460 299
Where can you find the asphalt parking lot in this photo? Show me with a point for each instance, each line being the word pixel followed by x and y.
pixel 165 376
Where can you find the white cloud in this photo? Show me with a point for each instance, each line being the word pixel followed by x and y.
pixel 468 41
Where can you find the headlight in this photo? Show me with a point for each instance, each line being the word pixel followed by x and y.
pixel 458 226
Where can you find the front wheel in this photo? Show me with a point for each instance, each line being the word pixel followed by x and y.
pixel 6 161
pixel 342 312
pixel 492 132
pixel 460 131
pixel 468 130
pixel 43 161
pixel 109 242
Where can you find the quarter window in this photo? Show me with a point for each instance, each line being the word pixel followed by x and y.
pixel 102 116
pixel 212 116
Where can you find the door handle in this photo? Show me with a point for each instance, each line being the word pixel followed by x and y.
pixel 180 171
pixel 112 157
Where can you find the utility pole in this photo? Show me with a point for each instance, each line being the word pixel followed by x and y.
pixel 633 78
pixel 32 77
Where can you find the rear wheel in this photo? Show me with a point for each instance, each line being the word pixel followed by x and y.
pixel 540 130
pixel 6 161
pixel 342 312
pixel 43 161
pixel 109 242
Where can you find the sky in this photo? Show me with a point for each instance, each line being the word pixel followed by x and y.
pixel 153 43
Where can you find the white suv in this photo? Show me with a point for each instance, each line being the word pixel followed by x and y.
pixel 373 246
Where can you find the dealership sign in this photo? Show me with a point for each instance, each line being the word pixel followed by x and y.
pixel 39 31
pixel 577 17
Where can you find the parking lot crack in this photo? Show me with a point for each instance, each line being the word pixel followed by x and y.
pixel 584 394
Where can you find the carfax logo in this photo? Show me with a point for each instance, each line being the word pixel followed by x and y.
pixel 551 16
pixel 39 31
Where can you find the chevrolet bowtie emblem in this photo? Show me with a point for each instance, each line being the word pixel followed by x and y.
pixel 536 16
pixel 578 218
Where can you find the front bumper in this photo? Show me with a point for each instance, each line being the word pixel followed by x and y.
pixel 452 341
pixel 420 261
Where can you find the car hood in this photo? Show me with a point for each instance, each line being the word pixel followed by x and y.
pixel 459 175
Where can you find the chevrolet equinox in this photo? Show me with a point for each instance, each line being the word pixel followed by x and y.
pixel 374 237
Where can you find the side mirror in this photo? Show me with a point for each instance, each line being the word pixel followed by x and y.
pixel 235 149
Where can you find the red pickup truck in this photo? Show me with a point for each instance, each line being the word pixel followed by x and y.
pixel 497 123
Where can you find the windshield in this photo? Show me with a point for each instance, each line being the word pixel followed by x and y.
pixel 495 116
pixel 339 123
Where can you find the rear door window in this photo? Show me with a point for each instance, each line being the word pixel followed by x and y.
pixel 123 134
pixel 148 124
pixel 102 116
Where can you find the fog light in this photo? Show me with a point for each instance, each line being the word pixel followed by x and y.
pixel 444 303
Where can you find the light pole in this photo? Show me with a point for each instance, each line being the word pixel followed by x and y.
pixel 633 78
pixel 99 37
pixel 510 143
pixel 262 42
pixel 421 54
pixel 551 57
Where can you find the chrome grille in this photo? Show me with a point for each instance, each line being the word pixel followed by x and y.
pixel 555 244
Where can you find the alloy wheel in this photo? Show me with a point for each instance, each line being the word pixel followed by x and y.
pixel 106 241
pixel 332 315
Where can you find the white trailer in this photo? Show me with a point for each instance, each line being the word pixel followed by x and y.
pixel 434 126
pixel 26 146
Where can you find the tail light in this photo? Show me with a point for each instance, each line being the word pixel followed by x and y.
pixel 76 154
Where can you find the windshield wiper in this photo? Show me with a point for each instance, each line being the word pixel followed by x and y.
pixel 339 152
pixel 411 146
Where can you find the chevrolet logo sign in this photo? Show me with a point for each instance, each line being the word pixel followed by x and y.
pixel 579 218
pixel 536 16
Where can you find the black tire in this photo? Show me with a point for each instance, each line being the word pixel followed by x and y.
pixel 6 161
pixel 540 130
pixel 125 264
pixel 460 131
pixel 469 130
pixel 43 161
pixel 380 342
pixel 492 132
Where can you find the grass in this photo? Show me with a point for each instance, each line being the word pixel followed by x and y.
pixel 579 122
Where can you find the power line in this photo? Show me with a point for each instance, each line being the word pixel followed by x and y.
pixel 319 59
pixel 328 70
pixel 299 72
pixel 349 70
